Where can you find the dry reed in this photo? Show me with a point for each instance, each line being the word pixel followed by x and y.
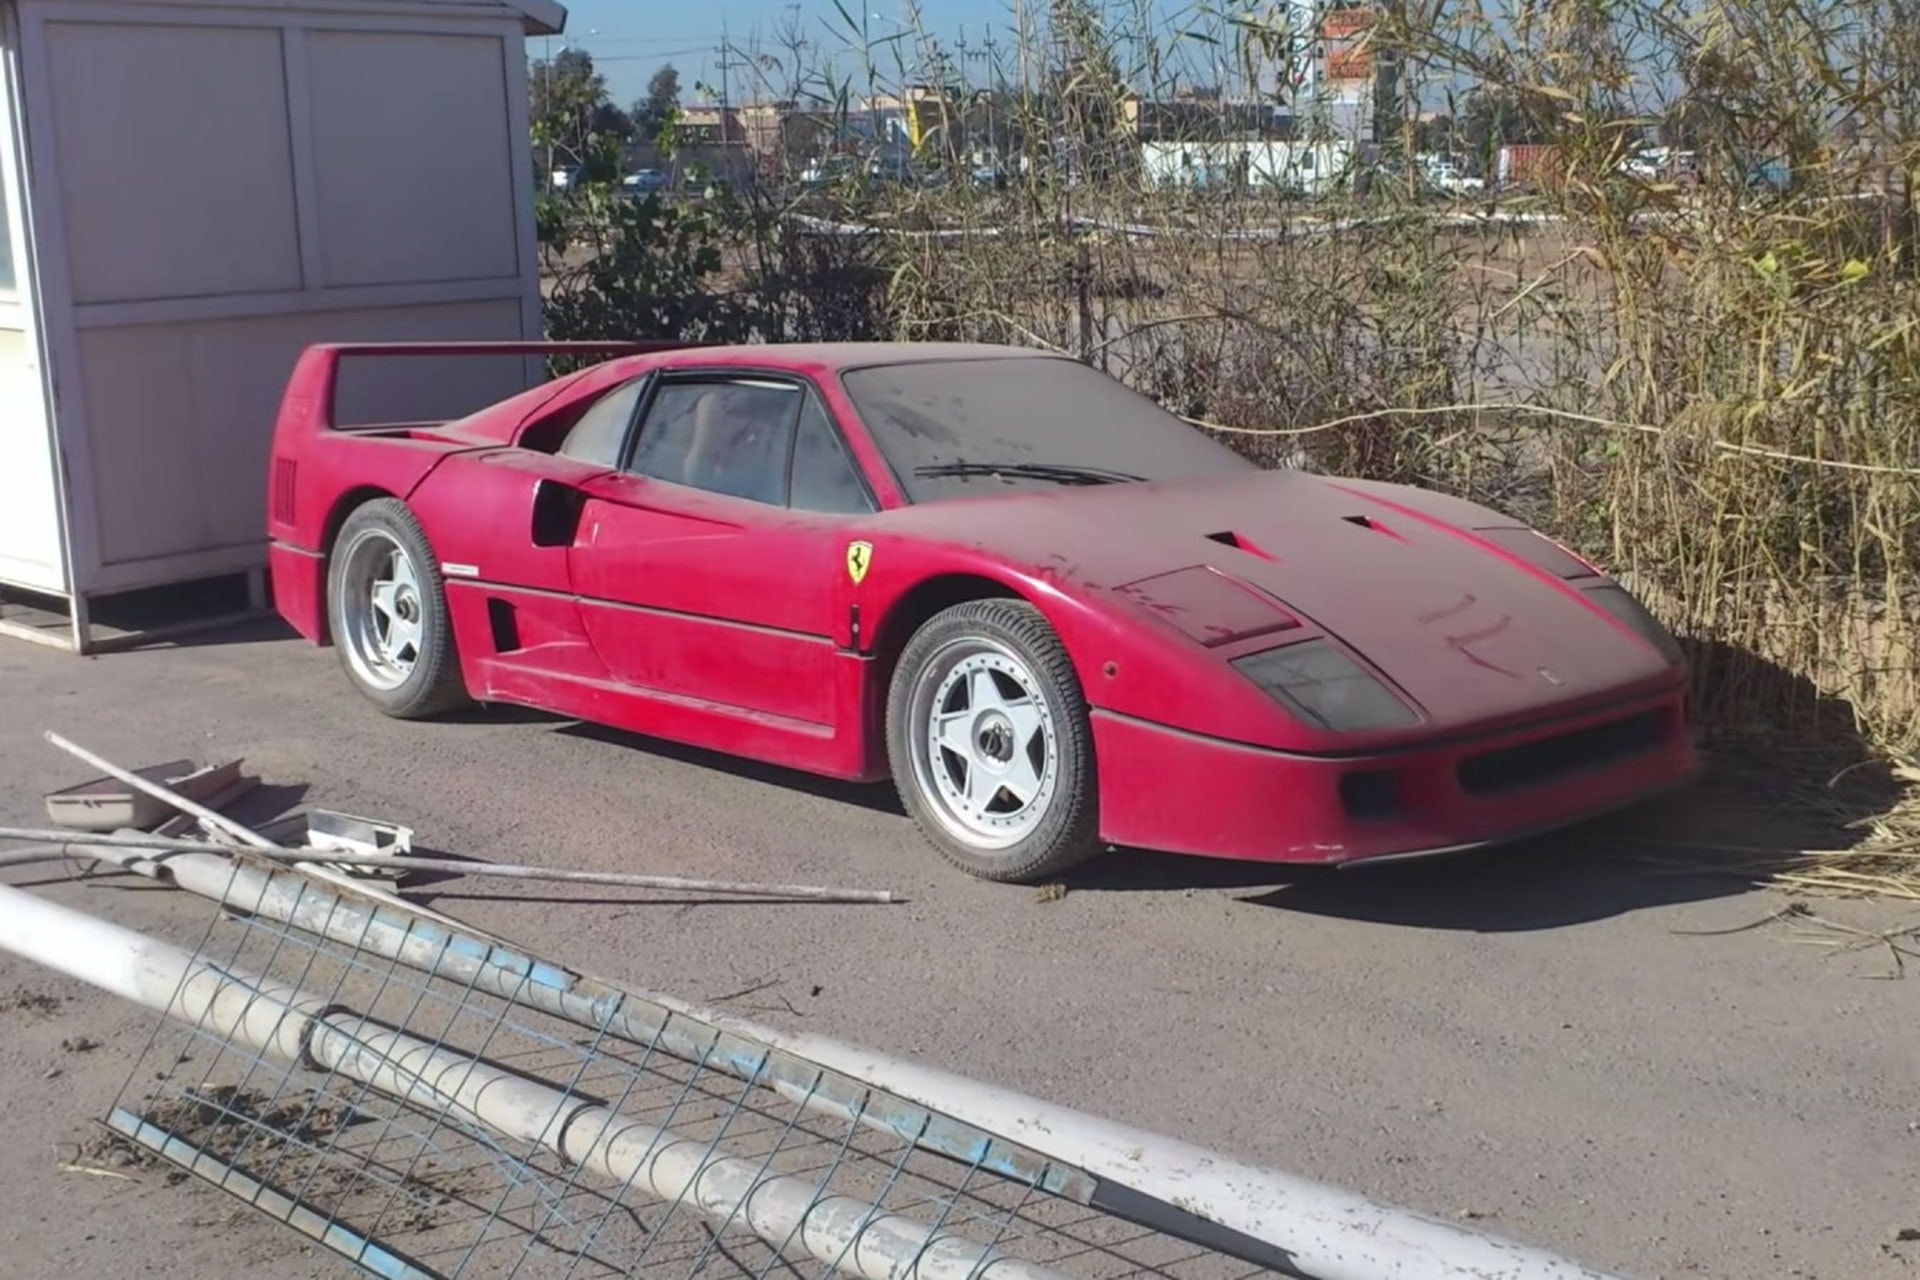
pixel 1712 385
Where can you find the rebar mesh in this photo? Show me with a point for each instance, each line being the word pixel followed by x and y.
pixel 414 1187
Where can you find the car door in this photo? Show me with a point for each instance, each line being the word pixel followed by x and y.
pixel 500 520
pixel 699 575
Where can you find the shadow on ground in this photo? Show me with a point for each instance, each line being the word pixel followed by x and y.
pixel 878 797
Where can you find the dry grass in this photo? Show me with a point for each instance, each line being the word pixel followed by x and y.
pixel 1715 390
pixel 1875 852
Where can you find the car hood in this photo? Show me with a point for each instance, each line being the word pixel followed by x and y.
pixel 1466 628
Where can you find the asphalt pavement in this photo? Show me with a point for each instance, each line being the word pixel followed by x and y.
pixel 1539 1040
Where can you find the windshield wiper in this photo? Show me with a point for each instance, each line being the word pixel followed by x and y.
pixel 1056 472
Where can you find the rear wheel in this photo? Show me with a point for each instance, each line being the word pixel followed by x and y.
pixel 387 609
pixel 990 745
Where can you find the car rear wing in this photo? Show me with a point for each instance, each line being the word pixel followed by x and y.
pixel 309 402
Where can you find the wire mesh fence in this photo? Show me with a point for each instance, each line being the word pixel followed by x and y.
pixel 411 1100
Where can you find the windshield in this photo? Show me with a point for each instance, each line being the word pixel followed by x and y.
pixel 966 428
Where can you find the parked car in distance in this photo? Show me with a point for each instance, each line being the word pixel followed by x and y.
pixel 1057 616
pixel 646 182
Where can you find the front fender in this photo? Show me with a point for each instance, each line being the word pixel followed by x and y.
pixel 1129 659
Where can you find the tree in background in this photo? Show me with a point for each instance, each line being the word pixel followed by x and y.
pixel 575 124
pixel 656 110
pixel 1495 115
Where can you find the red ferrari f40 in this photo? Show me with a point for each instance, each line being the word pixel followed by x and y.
pixel 1059 617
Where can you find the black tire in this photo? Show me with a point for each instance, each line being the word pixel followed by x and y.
pixel 433 685
pixel 1067 831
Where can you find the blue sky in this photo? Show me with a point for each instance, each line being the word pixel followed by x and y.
pixel 630 38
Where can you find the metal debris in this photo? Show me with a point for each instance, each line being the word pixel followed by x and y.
pixel 109 804
pixel 350 861
pixel 344 837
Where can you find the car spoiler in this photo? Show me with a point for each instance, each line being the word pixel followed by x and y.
pixel 309 398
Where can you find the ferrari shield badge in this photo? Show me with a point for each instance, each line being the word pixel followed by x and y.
pixel 859 556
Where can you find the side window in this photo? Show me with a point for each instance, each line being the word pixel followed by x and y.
pixel 597 436
pixel 724 437
pixel 824 477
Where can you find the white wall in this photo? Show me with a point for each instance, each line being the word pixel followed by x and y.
pixel 30 541
pixel 1306 168
pixel 181 417
pixel 226 185
pixel 29 514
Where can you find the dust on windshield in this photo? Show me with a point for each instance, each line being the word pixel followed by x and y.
pixel 967 428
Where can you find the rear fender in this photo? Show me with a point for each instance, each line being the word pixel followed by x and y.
pixel 299 568
pixel 335 472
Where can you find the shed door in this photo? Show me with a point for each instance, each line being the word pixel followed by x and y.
pixel 31 547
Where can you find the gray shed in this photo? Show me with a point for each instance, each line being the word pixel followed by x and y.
pixel 192 192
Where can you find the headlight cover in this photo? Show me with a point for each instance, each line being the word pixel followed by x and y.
pixel 1620 602
pixel 1542 551
pixel 1324 687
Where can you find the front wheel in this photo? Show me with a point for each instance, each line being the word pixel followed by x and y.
pixel 990 744
pixel 388 613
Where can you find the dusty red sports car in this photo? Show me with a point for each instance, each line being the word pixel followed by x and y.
pixel 1057 615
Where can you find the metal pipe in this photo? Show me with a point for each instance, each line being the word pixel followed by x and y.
pixel 482 870
pixel 1253 1212
pixel 1320 1230
pixel 300 1028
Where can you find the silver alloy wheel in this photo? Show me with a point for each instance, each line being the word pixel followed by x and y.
pixel 379 614
pixel 985 750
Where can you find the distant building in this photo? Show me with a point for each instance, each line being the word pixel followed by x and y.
pixel 709 126
pixel 1203 119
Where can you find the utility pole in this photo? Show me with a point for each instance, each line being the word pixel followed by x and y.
pixel 994 81
pixel 726 64
pixel 967 141
pixel 985 55
pixel 1388 112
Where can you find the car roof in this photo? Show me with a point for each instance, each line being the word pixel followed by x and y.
pixel 835 357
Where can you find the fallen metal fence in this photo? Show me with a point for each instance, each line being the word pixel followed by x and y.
pixel 431 1103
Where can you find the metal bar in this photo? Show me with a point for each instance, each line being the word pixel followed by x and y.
pixel 297 1027
pixel 485 870
pixel 356 1248
pixel 1249 1211
pixel 1262 1215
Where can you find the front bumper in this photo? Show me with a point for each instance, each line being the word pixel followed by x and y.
pixel 1176 792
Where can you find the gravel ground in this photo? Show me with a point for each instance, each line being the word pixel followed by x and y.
pixel 1528 1038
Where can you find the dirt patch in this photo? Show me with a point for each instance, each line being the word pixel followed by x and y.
pixel 33 1003
pixel 298 1141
